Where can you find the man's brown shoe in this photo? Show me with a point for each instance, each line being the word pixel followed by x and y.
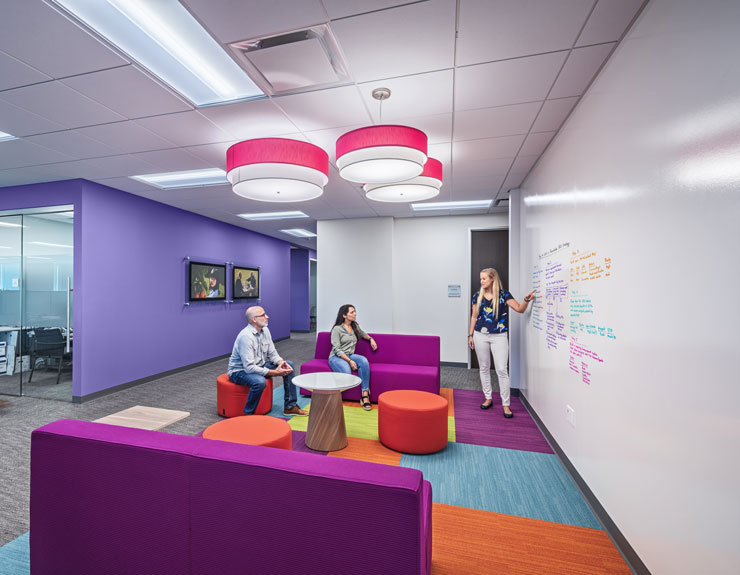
pixel 295 411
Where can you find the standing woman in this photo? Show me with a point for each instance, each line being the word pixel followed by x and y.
pixel 344 336
pixel 487 335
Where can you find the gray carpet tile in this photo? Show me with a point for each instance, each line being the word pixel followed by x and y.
pixel 193 390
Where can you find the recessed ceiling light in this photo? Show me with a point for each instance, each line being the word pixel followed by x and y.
pixel 5 137
pixel 299 233
pixel 273 216
pixel 51 245
pixel 467 205
pixel 165 39
pixel 188 179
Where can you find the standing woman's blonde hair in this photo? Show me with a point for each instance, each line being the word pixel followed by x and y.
pixel 495 288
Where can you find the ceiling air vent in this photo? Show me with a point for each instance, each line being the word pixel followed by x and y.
pixel 502 203
pixel 298 61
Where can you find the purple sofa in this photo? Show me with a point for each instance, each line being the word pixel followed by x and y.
pixel 117 501
pixel 401 362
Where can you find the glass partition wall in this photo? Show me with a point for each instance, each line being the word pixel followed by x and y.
pixel 36 286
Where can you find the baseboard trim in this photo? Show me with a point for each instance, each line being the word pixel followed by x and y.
pixel 134 383
pixel 453 364
pixel 620 541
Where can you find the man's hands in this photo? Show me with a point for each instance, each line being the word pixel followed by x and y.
pixel 281 370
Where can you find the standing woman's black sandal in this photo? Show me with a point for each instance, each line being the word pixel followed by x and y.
pixel 365 401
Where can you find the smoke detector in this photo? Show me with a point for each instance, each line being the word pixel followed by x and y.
pixel 297 61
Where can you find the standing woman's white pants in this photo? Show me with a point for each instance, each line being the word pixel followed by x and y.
pixel 496 345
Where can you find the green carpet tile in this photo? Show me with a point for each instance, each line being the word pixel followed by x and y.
pixel 360 423
pixel 522 483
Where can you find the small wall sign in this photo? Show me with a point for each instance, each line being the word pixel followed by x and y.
pixel 454 291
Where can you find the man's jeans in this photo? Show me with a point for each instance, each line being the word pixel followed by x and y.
pixel 257 383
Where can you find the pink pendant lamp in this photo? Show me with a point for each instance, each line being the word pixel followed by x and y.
pixel 422 187
pixel 277 170
pixel 381 154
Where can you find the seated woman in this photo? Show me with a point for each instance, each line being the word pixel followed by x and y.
pixel 344 336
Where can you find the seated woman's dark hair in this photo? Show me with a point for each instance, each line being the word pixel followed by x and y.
pixel 344 310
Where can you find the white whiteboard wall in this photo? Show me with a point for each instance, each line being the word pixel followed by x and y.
pixel 630 224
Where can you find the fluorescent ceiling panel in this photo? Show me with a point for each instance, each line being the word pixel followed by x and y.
pixel 468 205
pixel 188 179
pixel 166 40
pixel 299 233
pixel 273 216
pixel 4 137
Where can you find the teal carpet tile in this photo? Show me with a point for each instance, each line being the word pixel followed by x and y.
pixel 278 402
pixel 522 483
pixel 14 557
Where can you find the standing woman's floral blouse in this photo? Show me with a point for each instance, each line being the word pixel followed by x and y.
pixel 486 322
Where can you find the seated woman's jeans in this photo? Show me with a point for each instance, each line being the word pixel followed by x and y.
pixel 339 365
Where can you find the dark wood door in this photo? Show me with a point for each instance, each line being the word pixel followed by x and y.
pixel 489 249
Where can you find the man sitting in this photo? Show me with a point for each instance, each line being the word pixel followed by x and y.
pixel 255 358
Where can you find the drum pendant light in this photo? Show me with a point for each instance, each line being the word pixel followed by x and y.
pixel 422 187
pixel 381 154
pixel 277 170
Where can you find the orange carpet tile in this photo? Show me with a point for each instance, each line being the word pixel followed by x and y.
pixel 367 450
pixel 446 392
pixel 467 541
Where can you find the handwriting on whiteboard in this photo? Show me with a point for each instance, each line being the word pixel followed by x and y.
pixel 565 309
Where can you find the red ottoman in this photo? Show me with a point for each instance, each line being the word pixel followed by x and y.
pixel 412 421
pixel 231 398
pixel 253 430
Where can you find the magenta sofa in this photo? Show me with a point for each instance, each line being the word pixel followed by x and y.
pixel 401 362
pixel 118 501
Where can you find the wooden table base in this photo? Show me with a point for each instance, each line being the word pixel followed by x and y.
pixel 326 429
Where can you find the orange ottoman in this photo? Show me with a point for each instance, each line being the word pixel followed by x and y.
pixel 412 421
pixel 231 398
pixel 253 430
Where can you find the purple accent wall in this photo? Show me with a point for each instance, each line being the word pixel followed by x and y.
pixel 130 282
pixel 299 290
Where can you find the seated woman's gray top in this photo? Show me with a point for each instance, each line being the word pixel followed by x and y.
pixel 343 341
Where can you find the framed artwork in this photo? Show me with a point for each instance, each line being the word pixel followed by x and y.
pixel 207 281
pixel 246 283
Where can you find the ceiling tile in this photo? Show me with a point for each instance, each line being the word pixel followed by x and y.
pixel 327 139
pixel 523 164
pixel 579 70
pixel 492 30
pixel 38 35
pixel 74 144
pixel 20 153
pixel 29 175
pixel 61 104
pixel 495 122
pixel 419 95
pixel 409 39
pixel 323 109
pixel 513 181
pixel 126 137
pixel 479 188
pixel 353 213
pixel 437 128
pixel 213 154
pixel 443 153
pixel 480 168
pixel 245 120
pixel 20 122
pixel 107 167
pixel 608 21
pixel 185 129
pixel 488 148
pixel 14 73
pixel 507 82
pixel 553 114
pixel 234 20
pixel 174 160
pixel 142 95
pixel 535 144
